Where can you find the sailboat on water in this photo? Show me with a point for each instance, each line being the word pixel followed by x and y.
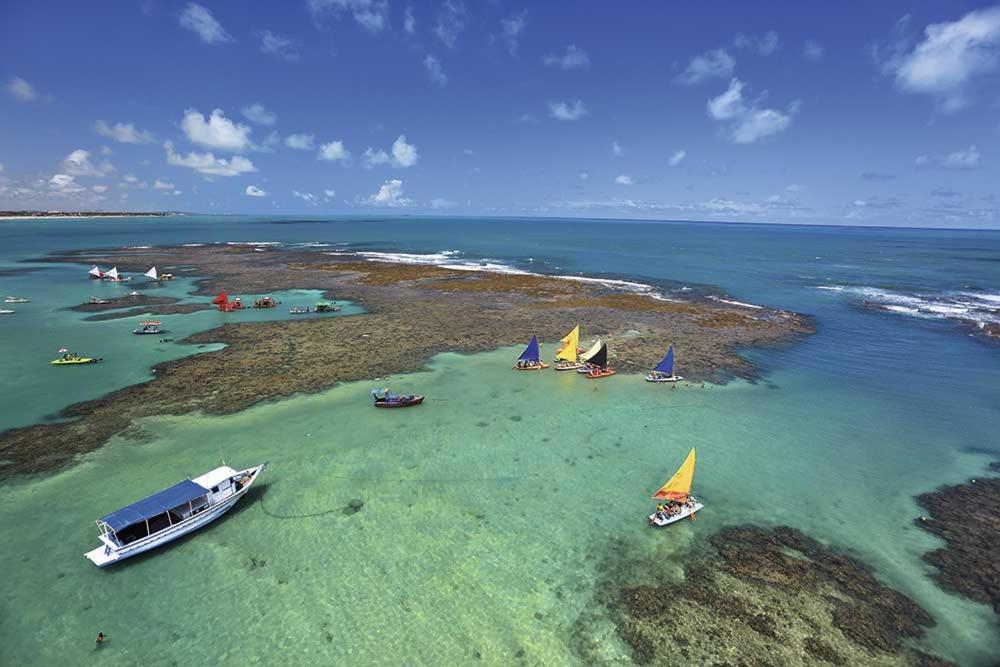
pixel 530 359
pixel 599 364
pixel 153 274
pixel 113 276
pixel 664 371
pixel 677 494
pixel 587 356
pixel 567 358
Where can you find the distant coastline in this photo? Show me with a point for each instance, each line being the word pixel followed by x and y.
pixel 23 215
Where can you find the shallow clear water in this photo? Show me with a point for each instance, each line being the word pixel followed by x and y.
pixel 488 508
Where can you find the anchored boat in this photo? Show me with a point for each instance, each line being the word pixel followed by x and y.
pixel 95 273
pixel 664 371
pixel 585 358
pixel 72 359
pixel 15 299
pixel 567 358
pixel 324 307
pixel 599 364
pixel 169 514
pixel 147 328
pixel 386 399
pixel 677 494
pixel 530 359
pixel 225 305
pixel 113 276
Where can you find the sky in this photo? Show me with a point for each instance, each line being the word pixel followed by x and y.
pixel 879 113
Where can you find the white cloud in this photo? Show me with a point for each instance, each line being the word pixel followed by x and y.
pixel 624 179
pixel 307 197
pixel 616 149
pixel 573 58
pixel 21 90
pixel 78 163
pixel 300 142
pixel 329 194
pixel 130 178
pixel 409 22
pixel 404 154
pixel 372 15
pixel 65 184
pixel 200 21
pixel 256 113
pixel 572 110
pixel 715 64
pixel 374 158
pixel 812 50
pixel 254 191
pixel 765 45
pixel 747 124
pixel 216 131
pixel 442 203
pixel 207 164
pixel 100 189
pixel 389 194
pixel 435 71
pixel 451 22
pixel 334 151
pixel 160 184
pixel 124 133
pixel 278 46
pixel 511 29
pixel 968 158
pixel 677 157
pixel 795 187
pixel 951 55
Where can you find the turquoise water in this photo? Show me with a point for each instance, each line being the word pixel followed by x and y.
pixel 488 508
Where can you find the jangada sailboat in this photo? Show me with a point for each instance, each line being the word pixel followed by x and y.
pixel 664 371
pixel 95 273
pixel 599 364
pixel 677 494
pixel 585 358
pixel 171 513
pixel 530 359
pixel 567 358
pixel 114 277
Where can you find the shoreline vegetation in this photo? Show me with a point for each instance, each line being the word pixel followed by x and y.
pixel 22 215
pixel 412 313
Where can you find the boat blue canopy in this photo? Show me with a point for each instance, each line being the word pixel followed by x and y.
pixel 158 503
pixel 531 352
pixel 667 365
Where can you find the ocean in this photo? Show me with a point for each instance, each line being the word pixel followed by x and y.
pixel 486 511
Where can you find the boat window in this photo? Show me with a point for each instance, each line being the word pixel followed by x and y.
pixel 130 534
pixel 215 489
pixel 158 523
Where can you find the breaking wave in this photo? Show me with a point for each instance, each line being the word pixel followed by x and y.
pixel 980 308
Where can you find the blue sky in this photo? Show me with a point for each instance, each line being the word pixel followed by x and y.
pixel 807 112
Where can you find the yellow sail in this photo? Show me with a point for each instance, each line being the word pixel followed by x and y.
pixel 594 349
pixel 679 486
pixel 567 351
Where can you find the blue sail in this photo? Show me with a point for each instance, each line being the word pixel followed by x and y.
pixel 667 365
pixel 531 352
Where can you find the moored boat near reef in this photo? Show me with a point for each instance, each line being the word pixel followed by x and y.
pixel 170 513
pixel 567 358
pixel 531 358
pixel 677 494
pixel 664 371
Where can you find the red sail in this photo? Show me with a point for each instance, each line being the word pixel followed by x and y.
pixel 220 300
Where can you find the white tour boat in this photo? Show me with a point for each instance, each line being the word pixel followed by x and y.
pixel 679 503
pixel 171 513
pixel 15 299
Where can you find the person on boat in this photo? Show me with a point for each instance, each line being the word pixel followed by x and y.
pixel 101 638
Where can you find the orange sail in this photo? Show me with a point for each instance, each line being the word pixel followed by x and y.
pixel 679 486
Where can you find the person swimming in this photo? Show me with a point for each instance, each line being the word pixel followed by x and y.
pixel 101 639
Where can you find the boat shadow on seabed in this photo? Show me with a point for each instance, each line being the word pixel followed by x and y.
pixel 253 494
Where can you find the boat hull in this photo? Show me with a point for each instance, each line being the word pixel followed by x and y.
pixel 595 375
pixel 654 378
pixel 539 367
pixel 567 366
pixel 683 514
pixel 416 400
pixel 104 556
pixel 74 362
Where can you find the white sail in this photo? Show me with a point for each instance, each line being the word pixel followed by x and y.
pixel 95 272
pixel 113 273
pixel 152 274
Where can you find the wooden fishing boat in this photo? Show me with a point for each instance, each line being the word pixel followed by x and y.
pixel 225 305
pixel 679 503
pixel 265 302
pixel 95 273
pixel 599 363
pixel 530 359
pixel 386 399
pixel 664 371
pixel 171 513
pixel 567 358
pixel 584 359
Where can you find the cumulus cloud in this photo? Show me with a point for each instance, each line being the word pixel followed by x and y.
pixel 300 142
pixel 747 123
pixel 441 203
pixel 947 60
pixel 124 133
pixel 307 197
pixel 390 194
pixel 765 44
pixel 451 21
pixel 207 164
pixel 572 58
pixel 329 194
pixel 334 151
pixel 65 184
pixel 404 154
pixel 254 191
pixel 78 163
pixel 256 113
pixel 794 188
pixel 715 64
pixel 21 90
pixel 374 158
pixel 409 21
pixel 812 50
pixel 372 15
pixel 571 110
pixel 278 46
pixel 677 157
pixel 161 184
pixel 616 149
pixel 967 158
pixel 100 189
pixel 511 29
pixel 216 131
pixel 435 71
pixel 200 21
pixel 624 179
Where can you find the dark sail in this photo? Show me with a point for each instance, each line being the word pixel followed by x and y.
pixel 667 365
pixel 531 352
pixel 601 358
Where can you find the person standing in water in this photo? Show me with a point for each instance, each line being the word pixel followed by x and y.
pixel 101 638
